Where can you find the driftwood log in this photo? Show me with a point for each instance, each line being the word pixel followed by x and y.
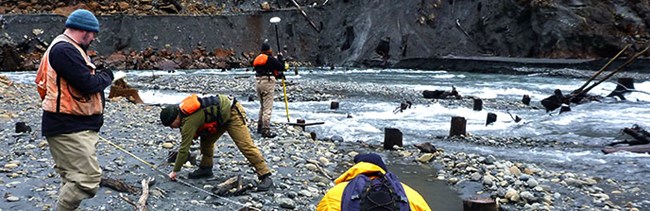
pixel 320 169
pixel 118 185
pixel 5 80
pixel 645 148
pixel 231 187
pixel 580 95
pixel 425 147
pixel 403 106
pixel 441 94
pixel 142 201
pixel 121 89
pixel 623 86
pixel 640 144
pixel 554 101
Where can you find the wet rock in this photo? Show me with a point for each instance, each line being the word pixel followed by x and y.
pixel 287 203
pixel 532 182
pixel 512 195
pixel 528 196
pixel 12 199
pixel 488 180
pixel 425 158
pixel 167 145
pixel 323 161
pixel 336 138
pixel 10 165
pixel 514 171
pixel 305 193
pixel 311 167
pixel 573 182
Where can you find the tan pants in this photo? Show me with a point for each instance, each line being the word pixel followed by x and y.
pixel 76 162
pixel 240 134
pixel 265 91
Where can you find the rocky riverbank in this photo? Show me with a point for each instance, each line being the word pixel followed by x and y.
pixel 302 167
pixel 333 33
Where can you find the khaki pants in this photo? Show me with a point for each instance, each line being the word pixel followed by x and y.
pixel 76 162
pixel 265 91
pixel 240 134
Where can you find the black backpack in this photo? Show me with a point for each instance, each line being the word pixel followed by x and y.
pixel 384 192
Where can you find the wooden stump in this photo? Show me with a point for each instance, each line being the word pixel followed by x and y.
pixel 554 101
pixel 392 137
pixel 525 100
pixel 480 204
pixel 478 104
pixel 334 105
pixel 313 135
pixel 458 125
pixel 491 118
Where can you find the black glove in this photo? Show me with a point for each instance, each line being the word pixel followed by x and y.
pixel 280 58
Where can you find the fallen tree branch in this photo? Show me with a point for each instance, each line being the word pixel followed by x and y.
pixel 118 185
pixel 602 69
pixel 631 90
pixel 630 60
pixel 142 202
pixel 127 200
pixel 322 171
pixel 306 17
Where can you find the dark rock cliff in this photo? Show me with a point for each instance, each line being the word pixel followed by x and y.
pixel 371 33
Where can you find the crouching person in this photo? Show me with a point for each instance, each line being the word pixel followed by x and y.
pixel 369 186
pixel 208 118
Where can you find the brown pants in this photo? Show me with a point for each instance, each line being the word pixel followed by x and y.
pixel 240 134
pixel 265 91
pixel 76 162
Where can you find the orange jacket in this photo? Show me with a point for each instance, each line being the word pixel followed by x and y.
pixel 60 97
pixel 332 199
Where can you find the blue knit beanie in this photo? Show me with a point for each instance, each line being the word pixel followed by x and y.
pixel 265 47
pixel 370 158
pixel 83 20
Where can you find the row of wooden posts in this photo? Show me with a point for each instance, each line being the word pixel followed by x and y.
pixel 393 136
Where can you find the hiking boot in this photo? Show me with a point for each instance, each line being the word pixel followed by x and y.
pixel 266 133
pixel 269 135
pixel 202 172
pixel 266 183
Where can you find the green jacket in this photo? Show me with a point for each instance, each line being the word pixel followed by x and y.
pixel 191 124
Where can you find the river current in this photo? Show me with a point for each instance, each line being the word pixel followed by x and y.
pixel 588 127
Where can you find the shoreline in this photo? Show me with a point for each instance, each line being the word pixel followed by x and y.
pixel 292 156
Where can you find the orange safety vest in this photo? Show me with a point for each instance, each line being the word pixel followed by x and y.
pixel 60 97
pixel 260 60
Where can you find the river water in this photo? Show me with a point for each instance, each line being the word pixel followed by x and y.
pixel 587 128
